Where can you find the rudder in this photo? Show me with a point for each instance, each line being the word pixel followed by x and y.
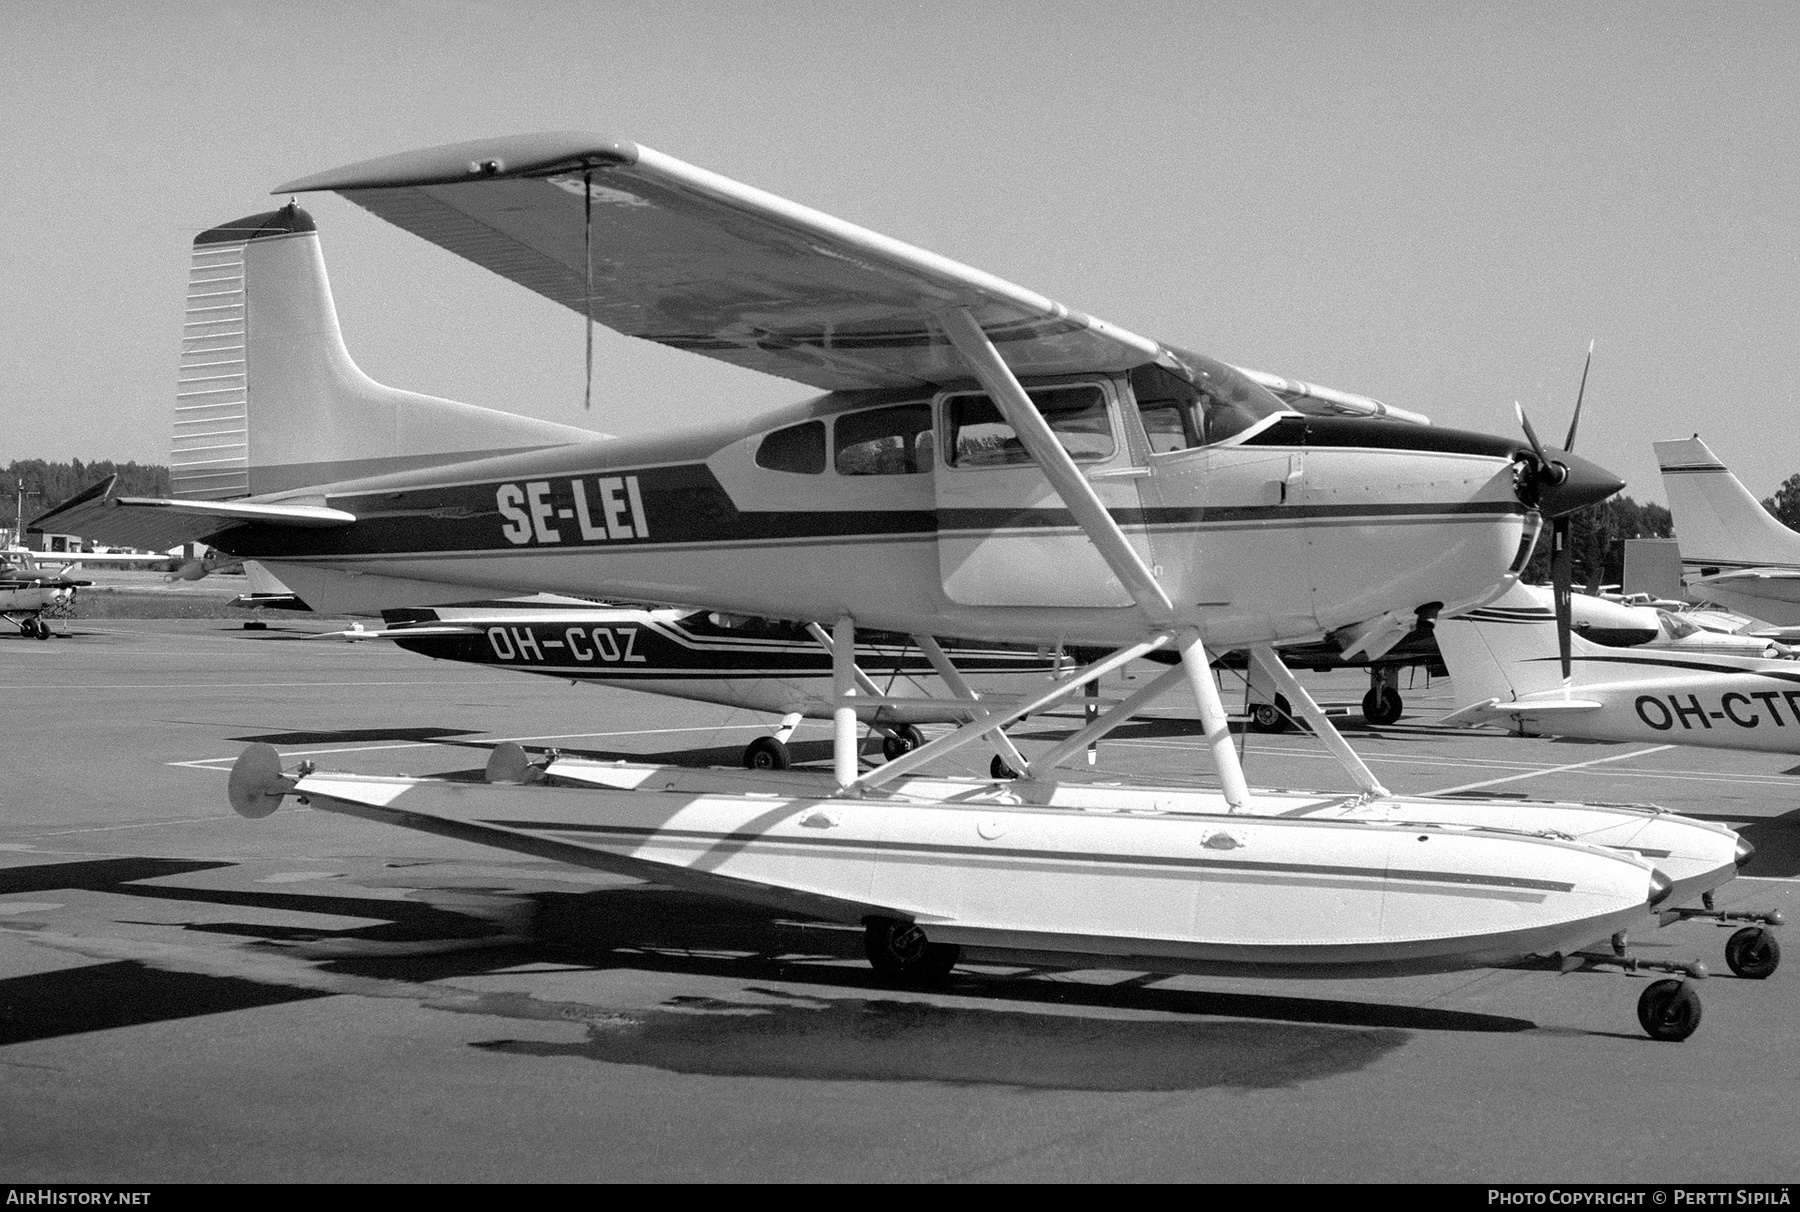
pixel 269 398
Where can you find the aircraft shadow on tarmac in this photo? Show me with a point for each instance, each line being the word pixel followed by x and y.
pixel 1027 1032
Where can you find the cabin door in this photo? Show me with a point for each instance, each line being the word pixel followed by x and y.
pixel 1005 538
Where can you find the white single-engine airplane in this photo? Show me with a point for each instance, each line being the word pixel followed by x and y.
pixel 987 463
pixel 1683 686
pixel 1732 551
pixel 758 664
pixel 29 598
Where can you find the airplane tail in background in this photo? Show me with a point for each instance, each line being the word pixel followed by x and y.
pixel 1719 524
pixel 269 398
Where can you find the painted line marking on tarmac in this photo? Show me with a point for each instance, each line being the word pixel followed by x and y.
pixel 180 820
pixel 1531 774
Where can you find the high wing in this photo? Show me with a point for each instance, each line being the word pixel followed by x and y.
pixel 657 248
pixel 162 523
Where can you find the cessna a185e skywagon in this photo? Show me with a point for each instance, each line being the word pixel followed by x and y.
pixel 986 463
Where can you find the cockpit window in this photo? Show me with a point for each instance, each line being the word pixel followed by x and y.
pixel 798 448
pixel 884 441
pixel 1178 414
pixel 979 436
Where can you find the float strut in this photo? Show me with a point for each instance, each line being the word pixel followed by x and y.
pixel 843 691
pixel 1212 719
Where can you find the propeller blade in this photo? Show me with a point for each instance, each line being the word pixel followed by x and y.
pixel 1562 576
pixel 1569 442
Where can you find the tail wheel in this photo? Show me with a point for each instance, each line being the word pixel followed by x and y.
pixel 1272 717
pixel 900 952
pixel 1381 706
pixel 1669 1010
pixel 906 738
pixel 767 753
pixel 1753 953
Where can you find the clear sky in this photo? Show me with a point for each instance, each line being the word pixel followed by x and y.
pixel 1436 204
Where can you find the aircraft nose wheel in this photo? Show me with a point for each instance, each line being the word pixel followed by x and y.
pixel 906 738
pixel 767 753
pixel 1669 1010
pixel 1753 953
pixel 900 952
pixel 1381 706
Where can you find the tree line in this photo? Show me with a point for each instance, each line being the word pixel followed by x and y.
pixel 49 484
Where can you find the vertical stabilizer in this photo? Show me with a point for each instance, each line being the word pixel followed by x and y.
pixel 269 399
pixel 1506 649
pixel 1719 524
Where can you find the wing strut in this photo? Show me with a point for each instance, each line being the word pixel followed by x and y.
pixel 1271 663
pixel 1035 433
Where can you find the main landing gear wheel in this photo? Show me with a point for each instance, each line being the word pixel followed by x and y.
pixel 28 628
pixel 906 738
pixel 1381 706
pixel 1000 770
pixel 900 952
pixel 1272 717
pixel 767 753
pixel 42 629
pixel 1753 953
pixel 1669 1010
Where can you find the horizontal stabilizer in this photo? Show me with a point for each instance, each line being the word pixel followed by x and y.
pixel 1492 709
pixel 395 633
pixel 160 523
pixel 1748 574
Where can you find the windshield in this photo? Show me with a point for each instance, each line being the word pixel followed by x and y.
pixel 1205 401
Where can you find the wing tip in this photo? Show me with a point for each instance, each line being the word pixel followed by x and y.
pixel 532 155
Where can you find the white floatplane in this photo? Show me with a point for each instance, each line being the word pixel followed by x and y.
pixel 987 463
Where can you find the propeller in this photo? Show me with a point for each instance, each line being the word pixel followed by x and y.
pixel 1551 475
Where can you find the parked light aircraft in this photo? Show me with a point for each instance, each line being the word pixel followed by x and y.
pixel 987 463
pixel 1686 686
pixel 758 664
pixel 29 598
pixel 1732 551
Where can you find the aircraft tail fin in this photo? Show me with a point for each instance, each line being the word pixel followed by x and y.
pixel 1505 650
pixel 269 399
pixel 1719 523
